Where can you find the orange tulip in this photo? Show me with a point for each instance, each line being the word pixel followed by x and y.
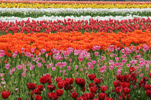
pixel 5 61
pixel 76 40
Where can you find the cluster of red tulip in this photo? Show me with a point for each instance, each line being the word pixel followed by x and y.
pixel 147 87
pixel 121 85
pixel 66 85
pixel 70 25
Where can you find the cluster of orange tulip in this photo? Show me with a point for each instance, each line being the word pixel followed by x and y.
pixel 76 40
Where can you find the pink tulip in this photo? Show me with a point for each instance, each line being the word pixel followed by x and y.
pixel 53 68
pixel 22 50
pixel 80 59
pixel 76 66
pixel 116 58
pixel 32 50
pixel 23 74
pixel 7 66
pixel 32 67
pixel 1 74
pixel 69 68
pixel 111 67
pixel 96 53
pixel 39 64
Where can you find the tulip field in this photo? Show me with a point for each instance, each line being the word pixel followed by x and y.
pixel 75 50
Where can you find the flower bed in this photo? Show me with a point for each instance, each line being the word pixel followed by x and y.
pixel 69 25
pixel 76 5
pixel 77 2
pixel 32 12
pixel 84 54
pixel 119 73
pixel 76 40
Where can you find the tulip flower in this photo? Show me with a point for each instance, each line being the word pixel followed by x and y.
pixel 5 94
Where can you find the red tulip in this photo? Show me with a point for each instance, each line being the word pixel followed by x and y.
pixel 145 79
pixel 124 96
pixel 148 93
pixel 82 98
pixel 109 99
pixel 133 75
pixel 74 95
pixel 80 82
pixel 70 80
pixel 103 88
pixel 48 78
pixel 83 89
pixel 117 83
pixel 118 90
pixel 93 89
pixel 61 84
pixel 85 95
pixel 59 92
pixel 141 84
pixel 97 81
pixel 6 31
pixel 69 87
pixel 19 98
pixel 77 80
pixel 125 84
pixel 66 83
pixel 102 96
pixel 53 96
pixel 43 80
pixel 120 77
pixel 40 87
pixel 131 69
pixel 91 96
pixel 58 79
pixel 37 91
pixel 126 90
pixel 51 87
pixel 31 86
pixel 5 94
pixel 91 85
pixel 38 97
pixel 147 87
pixel 91 76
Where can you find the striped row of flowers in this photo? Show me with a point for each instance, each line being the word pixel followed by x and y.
pixel 33 12
pixel 77 2
pixel 69 24
pixel 85 18
pixel 52 5
pixel 46 57
pixel 61 41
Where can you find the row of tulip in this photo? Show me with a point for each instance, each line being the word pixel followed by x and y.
pixel 122 88
pixel 29 12
pixel 92 5
pixel 61 41
pixel 81 18
pixel 69 73
pixel 76 2
pixel 91 25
